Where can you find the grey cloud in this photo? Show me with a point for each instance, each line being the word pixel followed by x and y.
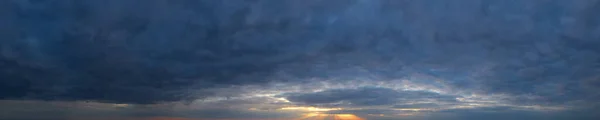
pixel 502 113
pixel 418 105
pixel 235 114
pixel 483 109
pixel 492 113
pixel 365 96
pixel 44 110
pixel 127 51
pixel 141 52
pixel 364 111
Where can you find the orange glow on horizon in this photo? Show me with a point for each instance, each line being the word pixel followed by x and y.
pixel 346 117
pixel 311 109
pixel 309 116
pixel 319 116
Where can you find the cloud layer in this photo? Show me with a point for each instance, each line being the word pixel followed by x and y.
pixel 380 55
pixel 365 97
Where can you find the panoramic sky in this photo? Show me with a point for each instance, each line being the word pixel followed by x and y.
pixel 299 59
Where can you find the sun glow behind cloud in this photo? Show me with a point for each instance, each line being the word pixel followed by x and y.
pixel 273 97
pixel 319 116
pixel 346 117
pixel 310 109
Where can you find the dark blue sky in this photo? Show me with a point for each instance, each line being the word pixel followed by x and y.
pixel 282 59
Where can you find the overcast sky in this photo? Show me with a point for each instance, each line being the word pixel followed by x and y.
pixel 299 59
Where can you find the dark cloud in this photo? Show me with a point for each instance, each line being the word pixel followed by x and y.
pixel 365 96
pixel 488 113
pixel 127 51
pixel 140 52
pixel 503 112
pixel 44 110
pixel 237 114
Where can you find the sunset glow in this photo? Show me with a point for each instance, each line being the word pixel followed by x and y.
pixel 319 116
pixel 310 109
pixel 346 117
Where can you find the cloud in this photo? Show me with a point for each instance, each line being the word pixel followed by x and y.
pixel 122 54
pixel 364 111
pixel 418 105
pixel 23 110
pixel 501 113
pixel 124 51
pixel 364 96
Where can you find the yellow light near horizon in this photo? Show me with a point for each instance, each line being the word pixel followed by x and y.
pixel 312 116
pixel 319 116
pixel 310 109
pixel 346 117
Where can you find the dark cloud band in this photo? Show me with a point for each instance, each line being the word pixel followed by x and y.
pixel 127 51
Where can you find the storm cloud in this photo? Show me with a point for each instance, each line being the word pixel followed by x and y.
pixel 253 54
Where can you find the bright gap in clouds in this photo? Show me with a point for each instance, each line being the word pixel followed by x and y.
pixel 414 98
pixel 321 116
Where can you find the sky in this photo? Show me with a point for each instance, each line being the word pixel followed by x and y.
pixel 299 59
